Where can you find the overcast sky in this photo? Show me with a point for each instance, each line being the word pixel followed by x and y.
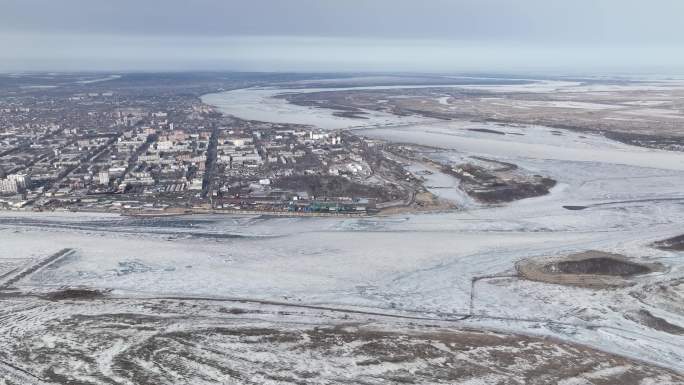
pixel 571 36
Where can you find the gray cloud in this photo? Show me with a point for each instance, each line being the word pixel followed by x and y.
pixel 341 34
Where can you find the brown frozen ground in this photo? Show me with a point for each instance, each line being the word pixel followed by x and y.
pixel 645 317
pixel 102 340
pixel 593 269
pixel 673 244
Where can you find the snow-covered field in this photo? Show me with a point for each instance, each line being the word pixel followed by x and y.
pixel 175 341
pixel 428 264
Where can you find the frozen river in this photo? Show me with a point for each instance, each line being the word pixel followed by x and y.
pixel 262 104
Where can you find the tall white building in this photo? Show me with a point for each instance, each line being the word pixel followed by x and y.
pixel 8 186
pixel 15 183
pixel 103 177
